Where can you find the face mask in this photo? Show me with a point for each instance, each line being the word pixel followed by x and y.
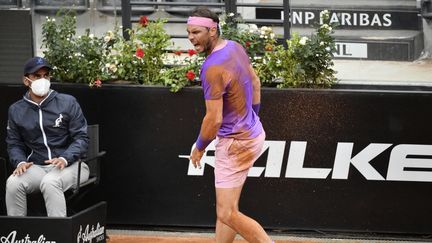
pixel 40 87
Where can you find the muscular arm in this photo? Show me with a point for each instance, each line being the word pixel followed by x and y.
pixel 214 87
pixel 212 119
pixel 209 128
pixel 256 86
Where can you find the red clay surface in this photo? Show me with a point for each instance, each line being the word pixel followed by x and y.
pixel 165 239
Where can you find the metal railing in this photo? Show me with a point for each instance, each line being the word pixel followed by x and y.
pixel 229 6
pixel 54 6
pixel 10 4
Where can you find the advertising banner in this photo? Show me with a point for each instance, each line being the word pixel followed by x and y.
pixel 336 160
pixel 87 226
pixel 379 19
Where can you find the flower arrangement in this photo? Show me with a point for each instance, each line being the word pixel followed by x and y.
pixel 140 58
pixel 74 59
pixel 182 70
pixel 306 62
pixel 88 59
pixel 145 57
pixel 256 41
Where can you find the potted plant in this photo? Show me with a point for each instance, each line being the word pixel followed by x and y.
pixel 144 58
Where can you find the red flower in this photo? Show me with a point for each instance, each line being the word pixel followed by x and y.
pixel 143 21
pixel 190 75
pixel 178 53
pixel 139 53
pixel 192 52
pixel 248 44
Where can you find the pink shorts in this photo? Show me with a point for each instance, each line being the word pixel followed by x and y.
pixel 234 158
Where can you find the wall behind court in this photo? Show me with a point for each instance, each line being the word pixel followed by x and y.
pixel 326 166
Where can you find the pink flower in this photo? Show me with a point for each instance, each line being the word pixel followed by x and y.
pixel 139 53
pixel 97 83
pixel 190 75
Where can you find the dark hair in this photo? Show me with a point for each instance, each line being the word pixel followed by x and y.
pixel 206 13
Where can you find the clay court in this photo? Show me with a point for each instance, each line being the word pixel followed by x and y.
pixel 130 236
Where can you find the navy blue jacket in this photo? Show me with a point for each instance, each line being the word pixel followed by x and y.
pixel 54 128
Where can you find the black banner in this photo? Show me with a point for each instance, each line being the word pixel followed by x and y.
pixel 350 19
pixel 84 227
pixel 335 160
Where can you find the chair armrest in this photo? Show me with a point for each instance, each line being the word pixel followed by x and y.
pixel 3 167
pixel 3 164
pixel 88 159
pixel 98 155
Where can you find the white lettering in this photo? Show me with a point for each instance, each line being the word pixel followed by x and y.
pixel 360 161
pixel 399 161
pixel 88 235
pixel 376 20
pixel 345 19
pixel 364 19
pixel 309 16
pixel 11 238
pixel 351 50
pixel 272 169
pixel 355 16
pixel 297 18
pixel 334 18
pixel 295 164
pixel 387 20
pixel 275 157
pixel 401 165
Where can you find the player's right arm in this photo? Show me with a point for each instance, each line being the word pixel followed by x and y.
pixel 209 128
pixel 256 87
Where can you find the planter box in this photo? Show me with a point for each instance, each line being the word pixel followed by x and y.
pixel 334 160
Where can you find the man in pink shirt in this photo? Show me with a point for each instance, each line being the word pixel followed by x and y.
pixel 232 98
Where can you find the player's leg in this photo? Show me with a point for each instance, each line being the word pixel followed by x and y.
pixel 227 213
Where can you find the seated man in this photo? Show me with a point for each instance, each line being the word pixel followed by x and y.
pixel 46 135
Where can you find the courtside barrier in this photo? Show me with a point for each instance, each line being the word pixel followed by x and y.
pixel 334 159
pixel 88 225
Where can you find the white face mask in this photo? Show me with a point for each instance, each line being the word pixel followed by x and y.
pixel 40 87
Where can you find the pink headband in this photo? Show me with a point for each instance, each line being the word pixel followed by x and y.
pixel 202 21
